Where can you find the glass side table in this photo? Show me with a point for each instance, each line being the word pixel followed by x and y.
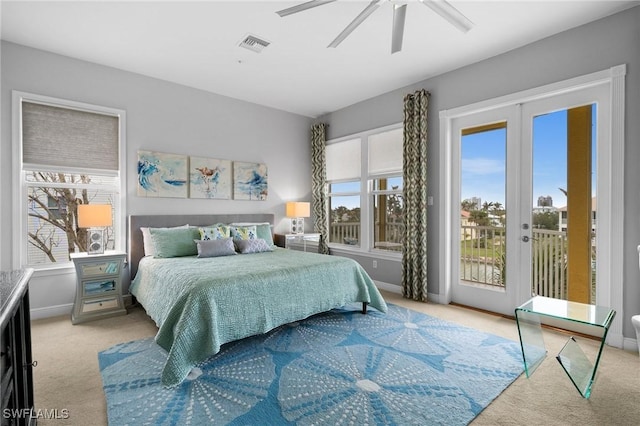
pixel 572 359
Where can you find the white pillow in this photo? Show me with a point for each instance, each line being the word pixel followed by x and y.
pixel 147 242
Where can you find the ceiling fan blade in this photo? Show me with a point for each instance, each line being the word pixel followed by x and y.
pixel 450 13
pixel 354 24
pixel 303 6
pixel 397 32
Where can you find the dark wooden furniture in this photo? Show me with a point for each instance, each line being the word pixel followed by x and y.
pixel 16 365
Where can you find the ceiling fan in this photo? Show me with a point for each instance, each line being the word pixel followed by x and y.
pixel 443 8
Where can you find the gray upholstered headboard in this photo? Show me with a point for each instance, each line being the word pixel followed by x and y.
pixel 136 246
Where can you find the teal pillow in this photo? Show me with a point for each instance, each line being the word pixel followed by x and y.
pixel 263 231
pixel 174 242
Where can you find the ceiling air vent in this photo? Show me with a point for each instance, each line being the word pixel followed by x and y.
pixel 254 43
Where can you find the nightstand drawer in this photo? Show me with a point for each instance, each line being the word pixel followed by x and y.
pixel 99 304
pixel 94 288
pixel 103 268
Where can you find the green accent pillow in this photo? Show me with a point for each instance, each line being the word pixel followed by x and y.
pixel 174 242
pixel 263 230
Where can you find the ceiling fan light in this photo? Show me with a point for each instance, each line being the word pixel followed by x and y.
pixel 450 13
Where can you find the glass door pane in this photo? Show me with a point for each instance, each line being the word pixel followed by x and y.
pixel 483 153
pixel 564 203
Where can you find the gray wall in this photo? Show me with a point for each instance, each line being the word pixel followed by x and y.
pixel 593 47
pixel 164 117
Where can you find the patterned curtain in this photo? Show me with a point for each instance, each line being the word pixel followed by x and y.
pixel 318 179
pixel 414 249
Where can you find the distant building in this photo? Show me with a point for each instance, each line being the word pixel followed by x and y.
pixel 544 209
pixel 477 202
pixel 467 226
pixel 545 201
pixel 562 223
pixel 545 205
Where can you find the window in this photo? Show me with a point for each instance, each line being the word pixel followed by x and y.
pixel 66 154
pixel 364 181
pixel 344 213
pixel 388 207
pixel 385 182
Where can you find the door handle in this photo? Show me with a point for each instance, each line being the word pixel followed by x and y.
pixel 525 239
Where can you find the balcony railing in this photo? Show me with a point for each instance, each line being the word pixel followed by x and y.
pixel 482 254
pixel 349 233
pixel 482 259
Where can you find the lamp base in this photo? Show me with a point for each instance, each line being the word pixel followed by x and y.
pixel 95 241
pixel 297 225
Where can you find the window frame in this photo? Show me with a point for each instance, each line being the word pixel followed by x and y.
pixel 373 193
pixel 367 216
pixel 20 187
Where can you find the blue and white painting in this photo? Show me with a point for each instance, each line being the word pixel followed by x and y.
pixel 209 178
pixel 250 181
pixel 162 175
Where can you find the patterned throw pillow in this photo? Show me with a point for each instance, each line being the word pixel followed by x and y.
pixel 215 248
pixel 214 232
pixel 263 230
pixel 256 245
pixel 243 233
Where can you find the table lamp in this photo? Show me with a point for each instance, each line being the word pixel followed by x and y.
pixel 95 217
pixel 297 211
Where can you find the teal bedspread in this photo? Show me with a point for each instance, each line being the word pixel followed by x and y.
pixel 200 304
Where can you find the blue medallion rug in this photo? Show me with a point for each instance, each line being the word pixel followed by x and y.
pixel 340 367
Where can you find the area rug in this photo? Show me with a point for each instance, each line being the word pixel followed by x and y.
pixel 340 367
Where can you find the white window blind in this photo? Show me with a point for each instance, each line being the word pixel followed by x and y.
pixel 343 160
pixel 68 138
pixel 385 152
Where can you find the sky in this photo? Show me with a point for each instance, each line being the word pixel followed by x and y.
pixel 484 158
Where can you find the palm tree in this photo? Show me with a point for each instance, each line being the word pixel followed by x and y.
pixel 467 205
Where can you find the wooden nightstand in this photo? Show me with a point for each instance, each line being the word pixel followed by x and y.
pixel 98 286
pixel 299 240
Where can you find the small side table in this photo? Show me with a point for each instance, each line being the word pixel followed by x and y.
pixel 285 240
pixel 572 359
pixel 98 286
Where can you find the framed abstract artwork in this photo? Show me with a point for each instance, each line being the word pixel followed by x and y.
pixel 250 181
pixel 162 175
pixel 209 178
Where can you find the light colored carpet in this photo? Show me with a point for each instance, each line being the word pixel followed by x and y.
pixel 68 377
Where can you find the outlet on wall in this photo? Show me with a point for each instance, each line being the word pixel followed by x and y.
pixel 375 263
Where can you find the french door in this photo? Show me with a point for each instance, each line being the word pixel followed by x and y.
pixel 524 186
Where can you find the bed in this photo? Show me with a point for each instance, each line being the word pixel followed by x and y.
pixel 199 304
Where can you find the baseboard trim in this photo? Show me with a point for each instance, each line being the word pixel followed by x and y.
pixel 630 344
pixel 54 311
pixel 392 288
pixel 51 311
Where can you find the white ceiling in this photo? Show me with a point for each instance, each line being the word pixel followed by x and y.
pixel 196 43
